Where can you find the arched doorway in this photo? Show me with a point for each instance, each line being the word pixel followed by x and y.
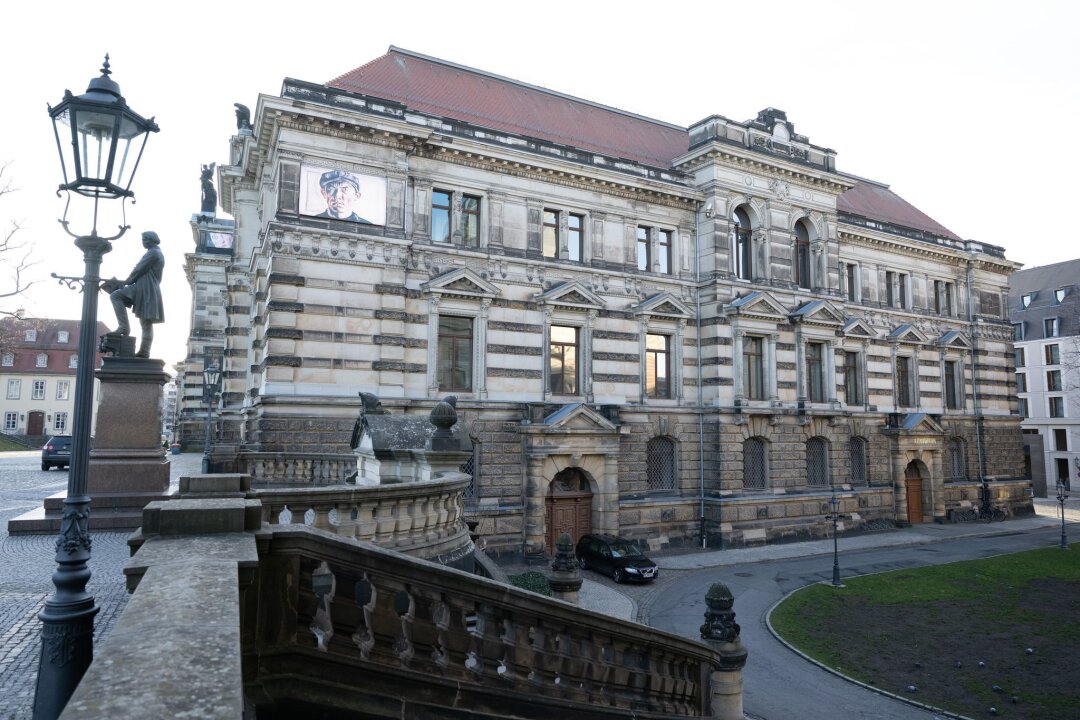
pixel 913 483
pixel 569 507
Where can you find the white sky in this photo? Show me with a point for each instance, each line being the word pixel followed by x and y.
pixel 965 108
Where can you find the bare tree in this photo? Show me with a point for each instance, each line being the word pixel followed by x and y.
pixel 16 257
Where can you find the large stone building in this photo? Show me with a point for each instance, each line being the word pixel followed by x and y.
pixel 661 331
pixel 1044 307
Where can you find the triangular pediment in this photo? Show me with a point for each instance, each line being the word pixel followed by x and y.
pixel 579 417
pixel 857 327
pixel 573 295
pixel 461 282
pixel 757 304
pixel 663 305
pixel 907 333
pixel 818 312
pixel 954 339
pixel 920 423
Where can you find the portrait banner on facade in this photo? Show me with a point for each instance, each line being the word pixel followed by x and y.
pixel 340 194
pixel 219 240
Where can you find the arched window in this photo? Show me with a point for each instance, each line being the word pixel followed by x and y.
pixel 755 464
pixel 660 464
pixel 817 462
pixel 800 261
pixel 957 459
pixel 860 470
pixel 741 246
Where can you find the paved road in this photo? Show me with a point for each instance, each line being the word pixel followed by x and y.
pixel 779 685
pixel 26 568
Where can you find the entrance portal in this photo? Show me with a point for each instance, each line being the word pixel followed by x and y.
pixel 569 507
pixel 35 423
pixel 914 483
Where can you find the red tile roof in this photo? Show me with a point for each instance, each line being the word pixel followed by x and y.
pixel 460 93
pixel 476 97
pixel 877 202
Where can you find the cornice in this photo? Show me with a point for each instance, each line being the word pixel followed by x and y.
pixel 716 152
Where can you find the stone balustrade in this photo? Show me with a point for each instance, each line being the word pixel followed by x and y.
pixel 379 634
pixel 425 519
pixel 304 469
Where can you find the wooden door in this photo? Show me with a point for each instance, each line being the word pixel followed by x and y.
pixel 569 508
pixel 35 424
pixel 914 500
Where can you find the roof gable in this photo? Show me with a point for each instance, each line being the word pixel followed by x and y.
pixel 857 327
pixel 954 339
pixel 571 294
pixel 461 282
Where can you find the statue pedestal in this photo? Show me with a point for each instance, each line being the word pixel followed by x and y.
pixel 127 467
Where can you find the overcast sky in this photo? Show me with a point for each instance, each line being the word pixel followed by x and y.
pixel 965 108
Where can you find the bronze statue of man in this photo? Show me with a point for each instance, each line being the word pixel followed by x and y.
pixel 142 293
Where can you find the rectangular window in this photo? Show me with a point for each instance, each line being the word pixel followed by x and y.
pixel 42 360
pixel 815 372
pixel 904 379
pixel 1053 380
pixel 890 291
pixel 31 336
pixel 663 251
pixel 1021 382
pixel 8 359
pixel 943 293
pixel 643 254
pixel 14 389
pixel 550 239
pixel 37 391
pixel 754 368
pixel 470 220
pixel 1022 408
pixel 1019 356
pixel 455 353
pixel 1062 470
pixel 851 378
pixel 63 389
pixel 11 421
pixel 1057 407
pixel 62 336
pixel 575 239
pixel 1061 439
pixel 952 384
pixel 851 271
pixel 1052 355
pixel 901 290
pixel 947 298
pixel 60 422
pixel 563 361
pixel 657 366
pixel 440 216
pixel 1018 331
pixel 1050 327
pixel 937 296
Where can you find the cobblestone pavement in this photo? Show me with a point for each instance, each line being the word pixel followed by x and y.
pixel 26 567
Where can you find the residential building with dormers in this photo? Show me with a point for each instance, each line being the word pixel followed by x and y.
pixel 677 334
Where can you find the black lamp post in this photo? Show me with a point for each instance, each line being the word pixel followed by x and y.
pixel 211 383
pixel 835 516
pixel 1062 496
pixel 100 141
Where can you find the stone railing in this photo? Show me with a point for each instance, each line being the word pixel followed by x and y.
pixel 305 469
pixel 359 630
pixel 425 519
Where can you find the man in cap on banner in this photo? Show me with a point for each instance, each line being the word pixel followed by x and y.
pixel 340 190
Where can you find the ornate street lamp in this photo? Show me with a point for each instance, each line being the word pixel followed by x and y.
pixel 835 516
pixel 100 141
pixel 1062 496
pixel 211 386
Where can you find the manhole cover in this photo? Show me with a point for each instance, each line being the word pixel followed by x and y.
pixel 744 574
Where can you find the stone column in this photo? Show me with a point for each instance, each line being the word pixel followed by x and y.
pixel 721 633
pixel 455 217
pixel 535 491
pixel 800 366
pixel 830 374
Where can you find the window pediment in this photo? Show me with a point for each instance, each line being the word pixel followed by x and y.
pixel 907 333
pixel 757 304
pixel 461 282
pixel 954 339
pixel 858 328
pixel 818 312
pixel 578 416
pixel 571 295
pixel 663 305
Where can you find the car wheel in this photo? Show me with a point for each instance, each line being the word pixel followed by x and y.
pixel 582 563
pixel 45 466
pixel 618 576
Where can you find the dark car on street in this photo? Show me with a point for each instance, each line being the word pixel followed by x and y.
pixel 615 556
pixel 56 452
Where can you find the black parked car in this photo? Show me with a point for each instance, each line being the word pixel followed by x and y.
pixel 615 556
pixel 56 452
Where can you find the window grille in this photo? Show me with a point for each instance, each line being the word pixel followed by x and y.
pixel 660 464
pixel 957 460
pixel 471 467
pixel 859 470
pixel 755 469
pixel 817 462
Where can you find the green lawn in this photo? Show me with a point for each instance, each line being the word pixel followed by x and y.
pixel 8 446
pixel 1018 615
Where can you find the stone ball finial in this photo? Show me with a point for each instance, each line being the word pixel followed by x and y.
pixel 443 417
pixel 720 622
